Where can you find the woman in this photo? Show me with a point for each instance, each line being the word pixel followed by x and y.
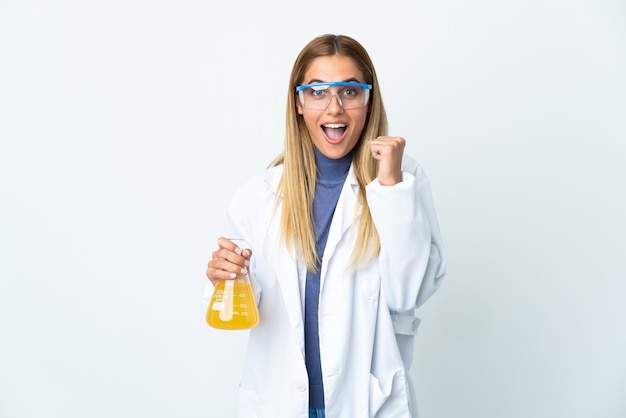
pixel 346 246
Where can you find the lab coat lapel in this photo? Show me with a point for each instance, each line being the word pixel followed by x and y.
pixel 287 275
pixel 286 269
pixel 344 217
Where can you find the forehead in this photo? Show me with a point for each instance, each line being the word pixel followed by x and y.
pixel 332 68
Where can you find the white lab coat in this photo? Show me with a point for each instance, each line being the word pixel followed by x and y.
pixel 366 318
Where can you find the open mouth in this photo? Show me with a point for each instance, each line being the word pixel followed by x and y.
pixel 334 132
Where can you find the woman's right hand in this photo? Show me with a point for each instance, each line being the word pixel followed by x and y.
pixel 228 261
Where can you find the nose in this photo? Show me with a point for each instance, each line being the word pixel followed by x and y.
pixel 334 106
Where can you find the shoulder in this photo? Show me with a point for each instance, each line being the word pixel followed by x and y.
pixel 411 166
pixel 262 182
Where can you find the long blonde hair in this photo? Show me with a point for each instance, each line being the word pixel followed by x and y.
pixel 298 181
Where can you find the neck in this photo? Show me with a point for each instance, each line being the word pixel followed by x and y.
pixel 329 168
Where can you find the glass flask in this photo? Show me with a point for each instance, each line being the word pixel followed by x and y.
pixel 232 304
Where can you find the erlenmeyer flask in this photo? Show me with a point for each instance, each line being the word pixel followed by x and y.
pixel 232 305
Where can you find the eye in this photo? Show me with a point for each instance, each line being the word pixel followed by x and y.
pixel 350 92
pixel 317 92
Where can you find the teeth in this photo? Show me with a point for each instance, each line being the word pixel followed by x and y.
pixel 334 125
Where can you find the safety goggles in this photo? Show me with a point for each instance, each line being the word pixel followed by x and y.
pixel 350 95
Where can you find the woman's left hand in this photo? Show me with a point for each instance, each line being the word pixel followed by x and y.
pixel 388 151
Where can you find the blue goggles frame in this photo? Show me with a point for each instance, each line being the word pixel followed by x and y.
pixel 334 83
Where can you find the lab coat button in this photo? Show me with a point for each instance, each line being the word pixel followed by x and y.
pixel 415 324
pixel 301 387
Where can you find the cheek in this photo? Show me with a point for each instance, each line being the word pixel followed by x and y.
pixel 360 123
pixel 310 121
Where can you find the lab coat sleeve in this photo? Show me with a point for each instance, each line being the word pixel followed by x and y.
pixel 242 221
pixel 412 259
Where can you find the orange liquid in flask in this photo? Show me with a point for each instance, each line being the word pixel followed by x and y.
pixel 232 305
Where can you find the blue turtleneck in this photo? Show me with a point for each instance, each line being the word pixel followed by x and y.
pixel 331 175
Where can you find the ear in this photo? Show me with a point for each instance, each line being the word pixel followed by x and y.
pixel 298 104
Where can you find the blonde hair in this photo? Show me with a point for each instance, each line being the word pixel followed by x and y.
pixel 298 181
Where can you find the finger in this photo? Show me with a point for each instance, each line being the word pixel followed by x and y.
pixel 230 257
pixel 222 269
pixel 381 146
pixel 376 148
pixel 231 246
pixel 224 257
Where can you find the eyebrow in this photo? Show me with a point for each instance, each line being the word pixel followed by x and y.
pixel 315 80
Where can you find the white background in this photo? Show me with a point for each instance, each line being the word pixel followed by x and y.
pixel 125 126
